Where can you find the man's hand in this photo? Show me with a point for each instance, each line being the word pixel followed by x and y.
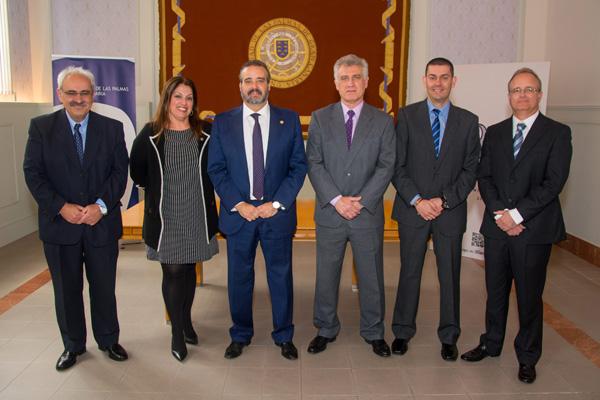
pixel 505 222
pixel 516 231
pixel 429 209
pixel 91 214
pixel 349 207
pixel 266 210
pixel 247 211
pixel 72 213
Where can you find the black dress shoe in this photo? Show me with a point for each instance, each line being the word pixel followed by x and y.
pixel 380 347
pixel 319 343
pixel 399 346
pixel 234 349
pixel 527 373
pixel 449 352
pixel 190 337
pixel 67 359
pixel 288 350
pixel 477 354
pixel 115 352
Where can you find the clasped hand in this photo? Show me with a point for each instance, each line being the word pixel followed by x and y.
pixel 507 223
pixel 250 212
pixel 76 214
pixel 349 207
pixel 429 209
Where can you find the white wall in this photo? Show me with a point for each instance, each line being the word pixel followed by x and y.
pixel 38 30
pixel 18 213
pixel 565 32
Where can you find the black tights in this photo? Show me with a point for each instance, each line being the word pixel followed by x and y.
pixel 179 287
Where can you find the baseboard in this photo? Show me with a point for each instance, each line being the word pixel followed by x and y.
pixel 17 229
pixel 582 249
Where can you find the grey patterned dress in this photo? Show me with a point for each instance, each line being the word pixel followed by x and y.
pixel 184 236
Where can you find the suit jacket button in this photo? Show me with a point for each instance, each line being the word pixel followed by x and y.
pixel 348 174
pixel 510 200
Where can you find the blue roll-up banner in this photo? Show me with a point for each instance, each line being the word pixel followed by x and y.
pixel 114 96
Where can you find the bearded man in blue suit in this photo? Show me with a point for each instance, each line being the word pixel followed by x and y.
pixel 257 164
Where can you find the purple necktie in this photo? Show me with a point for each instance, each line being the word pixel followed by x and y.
pixel 258 166
pixel 349 125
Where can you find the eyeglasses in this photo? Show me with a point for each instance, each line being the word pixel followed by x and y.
pixel 74 93
pixel 527 90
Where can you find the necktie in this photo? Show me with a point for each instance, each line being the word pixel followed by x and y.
pixel 518 139
pixel 78 142
pixel 258 166
pixel 349 125
pixel 435 128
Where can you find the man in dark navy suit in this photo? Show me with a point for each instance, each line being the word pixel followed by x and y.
pixel 76 169
pixel 524 165
pixel 257 164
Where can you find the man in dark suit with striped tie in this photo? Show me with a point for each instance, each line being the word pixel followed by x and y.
pixel 524 165
pixel 76 169
pixel 438 150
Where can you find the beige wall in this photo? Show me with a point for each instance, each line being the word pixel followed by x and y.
pixel 559 31
pixel 18 211
pixel 565 32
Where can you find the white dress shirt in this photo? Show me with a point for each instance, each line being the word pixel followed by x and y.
pixel 248 123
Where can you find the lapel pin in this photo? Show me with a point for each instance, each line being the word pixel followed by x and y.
pixel 281 122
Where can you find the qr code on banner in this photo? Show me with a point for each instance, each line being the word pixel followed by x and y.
pixel 477 240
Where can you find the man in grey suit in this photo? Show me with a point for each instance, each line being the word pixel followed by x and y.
pixel 351 156
pixel 438 151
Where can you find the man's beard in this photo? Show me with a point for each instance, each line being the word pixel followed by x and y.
pixel 255 100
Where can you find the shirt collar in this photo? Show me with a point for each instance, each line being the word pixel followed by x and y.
pixel 265 111
pixel 527 121
pixel 443 111
pixel 83 123
pixel 357 108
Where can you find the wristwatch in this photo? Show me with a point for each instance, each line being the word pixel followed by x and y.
pixel 445 205
pixel 276 205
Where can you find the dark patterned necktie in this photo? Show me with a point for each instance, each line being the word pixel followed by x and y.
pixel 435 128
pixel 79 142
pixel 349 126
pixel 518 139
pixel 258 166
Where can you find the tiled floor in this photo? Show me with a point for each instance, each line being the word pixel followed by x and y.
pixel 30 345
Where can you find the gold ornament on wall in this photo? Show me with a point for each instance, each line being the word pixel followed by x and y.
pixel 287 47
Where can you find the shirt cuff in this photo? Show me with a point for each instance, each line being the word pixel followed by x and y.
pixel 102 205
pixel 334 201
pixel 414 199
pixel 516 216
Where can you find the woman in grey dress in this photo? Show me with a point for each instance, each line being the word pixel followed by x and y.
pixel 168 159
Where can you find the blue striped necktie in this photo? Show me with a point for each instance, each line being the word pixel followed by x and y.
pixel 518 139
pixel 435 128
pixel 78 142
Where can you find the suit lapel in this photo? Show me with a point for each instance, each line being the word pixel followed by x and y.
pixel 92 140
pixel 338 128
pixel 275 125
pixel 452 125
pixel 237 143
pixel 361 132
pixel 66 137
pixel 506 139
pixel 533 136
pixel 425 121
